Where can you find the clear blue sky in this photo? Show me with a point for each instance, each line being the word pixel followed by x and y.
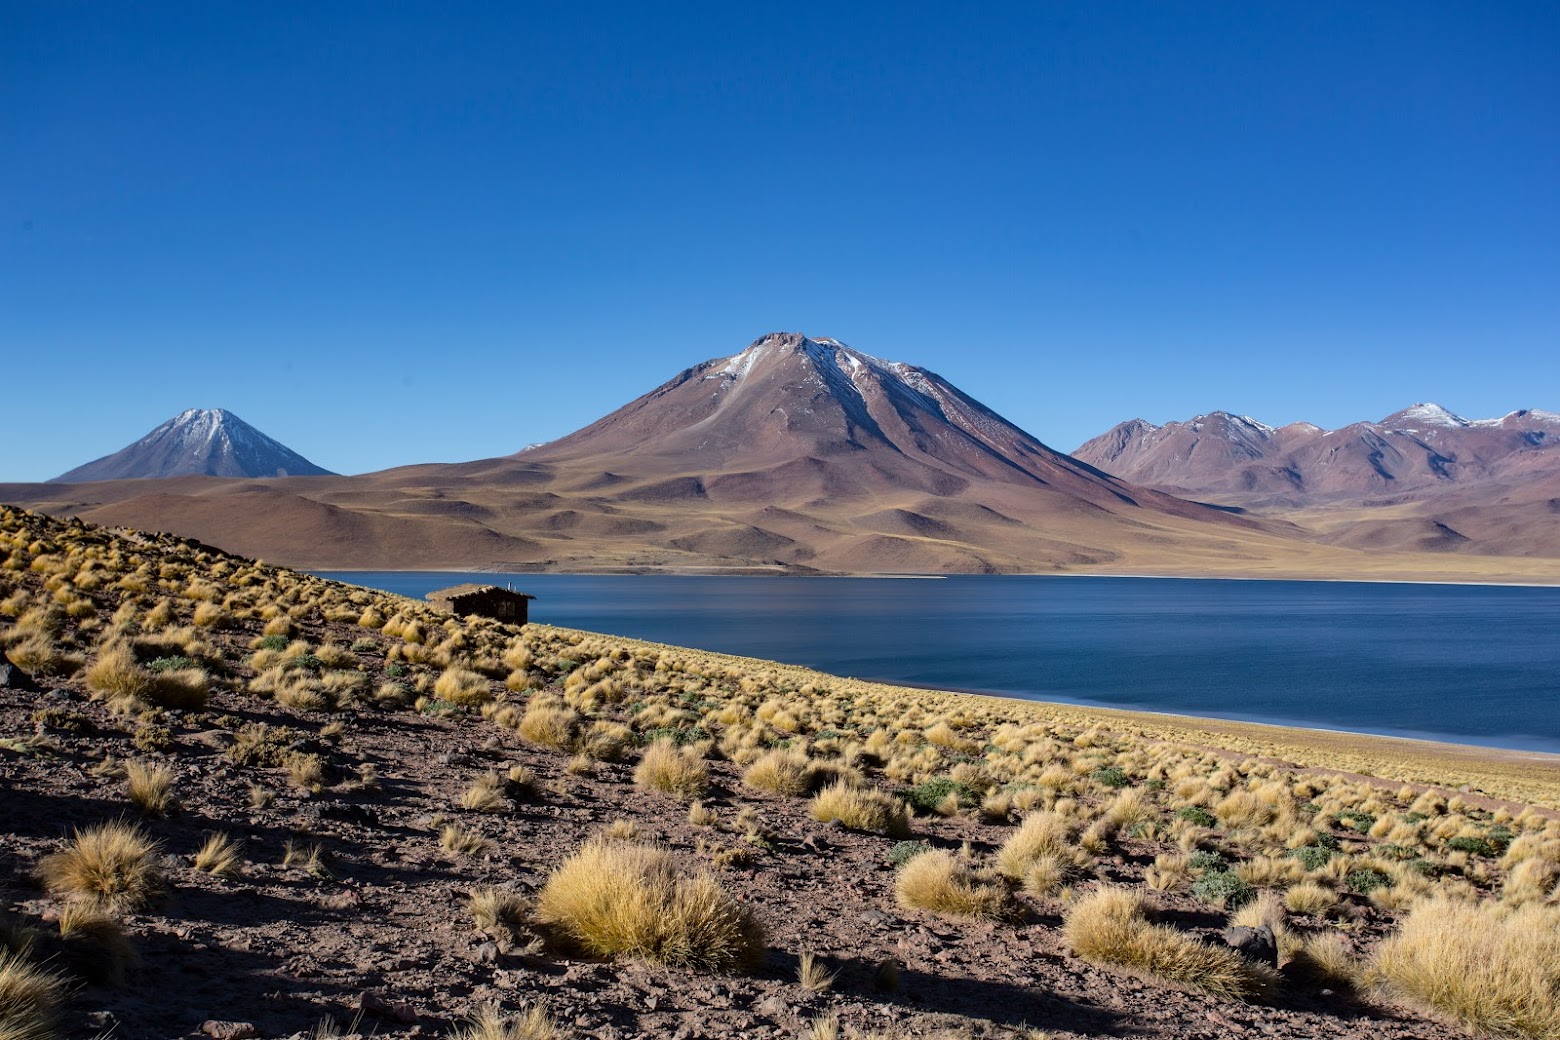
pixel 388 233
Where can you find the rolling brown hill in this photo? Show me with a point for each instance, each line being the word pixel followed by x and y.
pixel 794 455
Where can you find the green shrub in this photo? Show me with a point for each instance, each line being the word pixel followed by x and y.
pixel 1111 776
pixel 1365 881
pixel 927 796
pixel 1196 814
pixel 905 851
pixel 1472 846
pixel 271 643
pixel 170 664
pixel 1204 860
pixel 1312 857
pixel 1222 888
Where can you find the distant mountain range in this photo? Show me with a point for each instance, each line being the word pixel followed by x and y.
pixel 201 441
pixel 801 454
pixel 1421 478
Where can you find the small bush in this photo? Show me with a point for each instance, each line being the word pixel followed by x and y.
pixel 1490 971
pixel 614 898
pixel 1111 926
pixel 942 883
pixel 1473 846
pixel 1365 881
pixel 1222 888
pixel 29 999
pixel 861 809
pixel 939 791
pixel 1312 857
pixel 1196 814
pixel 114 863
pixel 1111 776
pixel 905 851
pixel 680 772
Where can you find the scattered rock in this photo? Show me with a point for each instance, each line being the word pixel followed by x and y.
pixel 220 1030
pixel 13 678
pixel 375 1005
pixel 1255 944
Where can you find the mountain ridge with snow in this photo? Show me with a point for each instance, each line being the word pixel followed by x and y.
pixel 210 442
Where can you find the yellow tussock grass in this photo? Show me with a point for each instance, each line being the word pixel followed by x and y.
pixel 1111 926
pixel 1491 971
pixel 614 899
pixel 679 772
pixel 29 999
pixel 861 809
pixel 942 883
pixel 114 863
pixel 1042 834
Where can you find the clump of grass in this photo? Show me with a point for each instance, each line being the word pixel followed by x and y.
pixel 491 1024
pixel 550 725
pixel 680 772
pixel 1039 835
pixel 486 794
pixel 29 999
pixel 781 772
pixel 115 674
pixel 463 687
pixel 460 842
pixel 861 809
pixel 813 975
pixel 309 857
pixel 1111 926
pixel 149 786
pixel 496 912
pixel 1487 970
pixel 944 884
pixel 114 863
pixel 1309 897
pixel 220 856
pixel 614 898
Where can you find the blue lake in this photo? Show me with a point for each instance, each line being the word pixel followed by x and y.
pixel 1469 664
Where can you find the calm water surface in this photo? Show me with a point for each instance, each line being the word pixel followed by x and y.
pixel 1471 664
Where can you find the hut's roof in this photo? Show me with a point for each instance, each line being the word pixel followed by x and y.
pixel 471 589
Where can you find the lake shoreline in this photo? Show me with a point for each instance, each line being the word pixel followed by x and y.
pixel 1440 663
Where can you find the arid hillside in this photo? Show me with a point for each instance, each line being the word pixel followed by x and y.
pixel 794 455
pixel 1419 480
pixel 241 801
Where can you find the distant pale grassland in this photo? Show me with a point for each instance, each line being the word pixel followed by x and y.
pixel 1235 816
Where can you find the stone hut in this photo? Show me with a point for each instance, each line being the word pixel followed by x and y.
pixel 482 601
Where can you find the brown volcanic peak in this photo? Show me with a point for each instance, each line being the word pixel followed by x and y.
pixel 818 418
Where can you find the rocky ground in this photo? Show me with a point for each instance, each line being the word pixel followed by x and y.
pixel 379 939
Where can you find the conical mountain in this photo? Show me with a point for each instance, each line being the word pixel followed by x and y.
pixel 813 421
pixel 208 442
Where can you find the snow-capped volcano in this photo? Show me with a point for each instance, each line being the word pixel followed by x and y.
pixel 209 442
